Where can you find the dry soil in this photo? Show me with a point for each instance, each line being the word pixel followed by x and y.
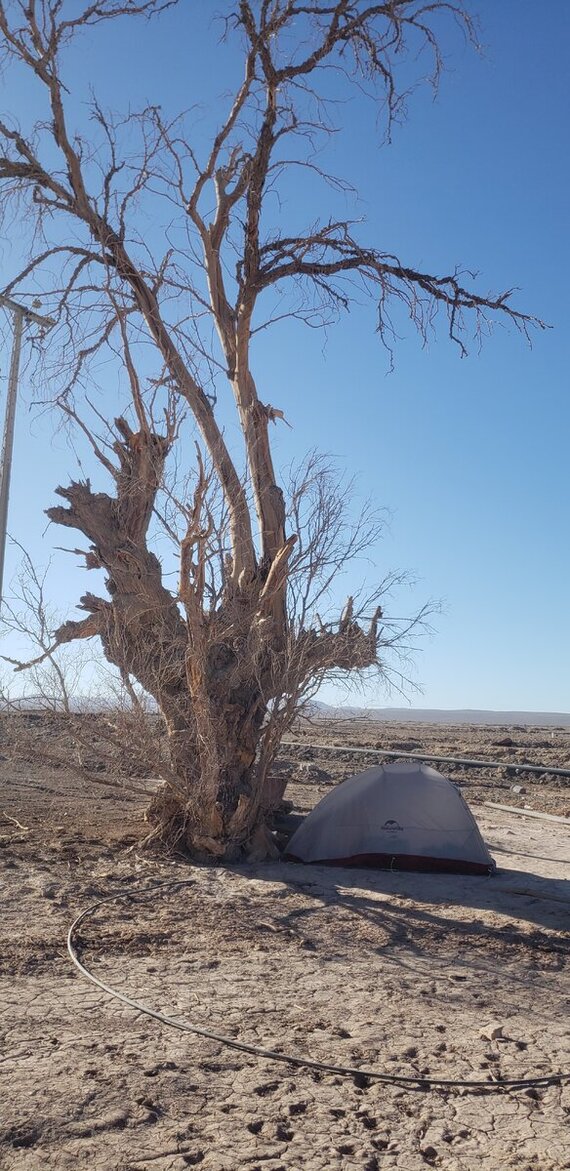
pixel 433 975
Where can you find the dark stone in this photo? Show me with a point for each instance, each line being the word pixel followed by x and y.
pixel 429 1154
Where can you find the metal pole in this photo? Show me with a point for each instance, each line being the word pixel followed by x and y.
pixel 21 313
pixel 8 438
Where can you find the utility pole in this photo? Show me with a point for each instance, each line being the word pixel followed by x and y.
pixel 21 315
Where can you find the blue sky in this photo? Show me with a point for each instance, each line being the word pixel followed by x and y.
pixel 470 456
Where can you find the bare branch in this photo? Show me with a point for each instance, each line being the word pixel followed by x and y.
pixel 332 251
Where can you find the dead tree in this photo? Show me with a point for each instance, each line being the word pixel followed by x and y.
pixel 226 654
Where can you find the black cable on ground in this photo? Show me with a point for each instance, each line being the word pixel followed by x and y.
pixel 414 1082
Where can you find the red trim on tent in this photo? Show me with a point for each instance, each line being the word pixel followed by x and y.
pixel 403 862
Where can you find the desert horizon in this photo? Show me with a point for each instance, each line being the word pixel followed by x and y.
pixel 415 715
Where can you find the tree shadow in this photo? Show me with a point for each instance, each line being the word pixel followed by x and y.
pixel 417 908
pixel 542 902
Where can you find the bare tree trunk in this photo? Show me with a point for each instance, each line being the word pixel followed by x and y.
pixel 217 806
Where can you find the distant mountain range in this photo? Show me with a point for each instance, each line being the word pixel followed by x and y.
pixel 406 715
pixel 392 715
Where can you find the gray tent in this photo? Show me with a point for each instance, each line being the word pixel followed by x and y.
pixel 402 816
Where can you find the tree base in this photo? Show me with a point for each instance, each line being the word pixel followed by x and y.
pixel 174 829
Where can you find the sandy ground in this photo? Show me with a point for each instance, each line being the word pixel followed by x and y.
pixel 397 972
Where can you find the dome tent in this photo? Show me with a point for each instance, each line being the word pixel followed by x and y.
pixel 402 816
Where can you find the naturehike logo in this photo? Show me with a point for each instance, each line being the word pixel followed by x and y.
pixel 392 827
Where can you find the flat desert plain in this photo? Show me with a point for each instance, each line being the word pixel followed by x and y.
pixel 428 976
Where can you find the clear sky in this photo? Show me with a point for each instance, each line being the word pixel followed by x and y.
pixel 469 455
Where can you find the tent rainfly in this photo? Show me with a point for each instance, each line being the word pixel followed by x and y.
pixel 401 816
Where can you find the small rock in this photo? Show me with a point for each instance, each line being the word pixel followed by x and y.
pixel 368 1122
pixel 381 1144
pixel 49 890
pixel 429 1154
pixel 284 1133
pixel 491 1032
pixel 297 1108
pixel 518 789
pixel 311 772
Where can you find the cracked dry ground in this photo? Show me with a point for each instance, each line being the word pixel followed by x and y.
pixel 403 973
